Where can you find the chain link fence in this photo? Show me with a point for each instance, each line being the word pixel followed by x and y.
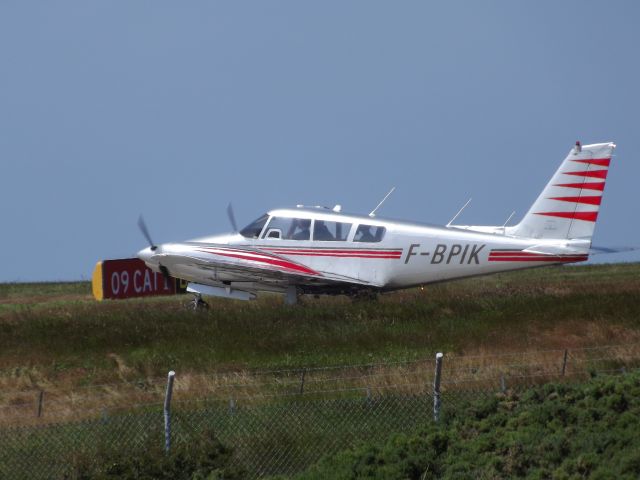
pixel 277 438
pixel 281 422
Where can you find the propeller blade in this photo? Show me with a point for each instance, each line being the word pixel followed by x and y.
pixel 232 217
pixel 143 228
pixel 165 273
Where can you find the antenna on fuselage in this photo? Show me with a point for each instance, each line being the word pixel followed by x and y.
pixel 459 212
pixel 373 212
pixel 504 226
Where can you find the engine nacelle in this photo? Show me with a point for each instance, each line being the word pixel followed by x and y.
pixel 226 292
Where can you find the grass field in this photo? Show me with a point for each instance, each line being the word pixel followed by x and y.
pixel 55 337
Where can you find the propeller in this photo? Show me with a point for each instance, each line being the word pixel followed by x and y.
pixel 145 231
pixel 232 218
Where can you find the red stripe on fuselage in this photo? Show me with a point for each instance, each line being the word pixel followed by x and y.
pixel 339 255
pixel 522 256
pixel 261 258
pixel 543 258
pixel 344 253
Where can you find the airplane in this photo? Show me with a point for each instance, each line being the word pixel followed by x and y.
pixel 319 250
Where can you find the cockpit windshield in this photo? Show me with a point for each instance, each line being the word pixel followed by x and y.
pixel 254 228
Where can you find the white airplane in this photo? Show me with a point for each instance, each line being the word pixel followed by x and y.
pixel 318 250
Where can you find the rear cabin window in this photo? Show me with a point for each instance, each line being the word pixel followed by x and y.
pixel 369 233
pixel 254 228
pixel 331 231
pixel 288 228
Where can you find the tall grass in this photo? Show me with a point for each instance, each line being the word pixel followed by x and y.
pixel 56 338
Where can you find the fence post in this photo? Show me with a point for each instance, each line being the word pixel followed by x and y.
pixel 304 372
pixel 436 387
pixel 564 361
pixel 167 411
pixel 503 384
pixel 40 402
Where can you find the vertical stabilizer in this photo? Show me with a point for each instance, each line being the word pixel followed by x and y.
pixel 568 206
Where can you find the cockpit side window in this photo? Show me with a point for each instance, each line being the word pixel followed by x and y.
pixel 369 233
pixel 331 231
pixel 254 228
pixel 288 228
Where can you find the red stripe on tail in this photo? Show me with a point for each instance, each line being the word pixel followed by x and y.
pixel 589 186
pixel 585 200
pixel 602 162
pixel 586 216
pixel 593 174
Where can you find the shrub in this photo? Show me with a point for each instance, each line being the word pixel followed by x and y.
pixel 553 431
pixel 203 458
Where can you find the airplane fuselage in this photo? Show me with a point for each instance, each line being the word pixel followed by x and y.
pixel 408 254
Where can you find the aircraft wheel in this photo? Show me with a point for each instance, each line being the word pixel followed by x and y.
pixel 365 296
pixel 198 305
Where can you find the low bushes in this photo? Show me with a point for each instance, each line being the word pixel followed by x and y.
pixel 555 431
pixel 203 458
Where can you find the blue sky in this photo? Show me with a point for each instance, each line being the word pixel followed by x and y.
pixel 172 109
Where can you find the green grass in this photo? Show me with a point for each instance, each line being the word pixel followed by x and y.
pixel 63 330
pixel 43 289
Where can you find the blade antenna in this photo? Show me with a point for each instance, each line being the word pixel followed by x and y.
pixel 373 212
pixel 504 226
pixel 459 212
pixel 232 218
pixel 145 231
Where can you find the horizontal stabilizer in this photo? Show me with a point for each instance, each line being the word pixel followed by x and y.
pixel 601 250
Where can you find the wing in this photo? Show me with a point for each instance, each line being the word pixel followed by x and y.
pixel 222 263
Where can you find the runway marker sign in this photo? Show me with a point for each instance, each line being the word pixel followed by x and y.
pixel 130 277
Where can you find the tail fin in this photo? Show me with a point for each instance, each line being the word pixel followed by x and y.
pixel 568 206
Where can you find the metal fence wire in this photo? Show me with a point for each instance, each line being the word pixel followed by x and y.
pixel 61 450
pixel 284 438
pixel 277 438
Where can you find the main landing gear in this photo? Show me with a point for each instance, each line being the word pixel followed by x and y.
pixel 197 304
pixel 365 295
pixel 292 295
